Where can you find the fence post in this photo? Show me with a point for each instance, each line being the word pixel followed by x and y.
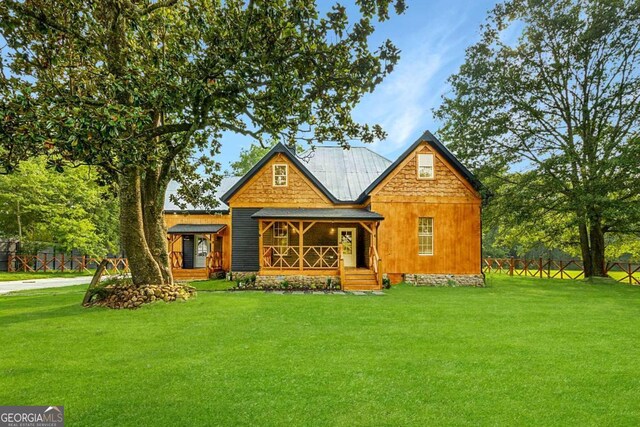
pixel 10 265
pixel 561 269
pixel 541 267
pixel 489 263
pixel 511 266
pixel 62 262
pixel 45 262
pixel 629 269
pixel 549 268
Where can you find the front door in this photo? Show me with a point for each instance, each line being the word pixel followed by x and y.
pixel 187 251
pixel 202 250
pixel 347 239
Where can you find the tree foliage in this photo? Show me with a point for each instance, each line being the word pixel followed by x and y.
pixel 69 211
pixel 248 158
pixel 552 119
pixel 144 90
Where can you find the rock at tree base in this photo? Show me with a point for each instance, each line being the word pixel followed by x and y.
pixel 130 296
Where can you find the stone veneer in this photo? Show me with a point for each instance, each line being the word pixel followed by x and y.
pixel 445 279
pixel 241 275
pixel 297 280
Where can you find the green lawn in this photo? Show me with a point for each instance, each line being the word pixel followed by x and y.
pixel 212 285
pixel 5 276
pixel 521 351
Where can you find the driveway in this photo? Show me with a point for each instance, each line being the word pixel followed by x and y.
pixel 28 284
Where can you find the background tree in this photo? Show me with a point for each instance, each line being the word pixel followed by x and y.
pixel 248 158
pixel 552 119
pixel 144 90
pixel 44 208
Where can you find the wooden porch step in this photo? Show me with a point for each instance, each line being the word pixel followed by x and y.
pixel 360 279
pixel 360 287
pixel 190 274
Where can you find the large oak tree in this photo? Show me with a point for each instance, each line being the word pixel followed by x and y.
pixel 144 90
pixel 547 109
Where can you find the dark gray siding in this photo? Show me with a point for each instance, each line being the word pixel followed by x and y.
pixel 244 240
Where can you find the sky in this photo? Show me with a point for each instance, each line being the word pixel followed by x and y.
pixel 432 36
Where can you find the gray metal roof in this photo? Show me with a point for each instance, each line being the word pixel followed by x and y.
pixel 195 228
pixel 345 173
pixel 225 184
pixel 309 213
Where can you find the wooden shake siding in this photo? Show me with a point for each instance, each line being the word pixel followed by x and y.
pixel 449 199
pixel 172 219
pixel 299 192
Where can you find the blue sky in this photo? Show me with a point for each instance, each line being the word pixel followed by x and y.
pixel 432 36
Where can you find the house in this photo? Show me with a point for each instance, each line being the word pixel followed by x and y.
pixel 347 215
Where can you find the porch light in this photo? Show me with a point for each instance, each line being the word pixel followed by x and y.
pixel 332 231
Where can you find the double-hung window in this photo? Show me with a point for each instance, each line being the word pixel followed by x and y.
pixel 425 166
pixel 281 237
pixel 425 236
pixel 280 175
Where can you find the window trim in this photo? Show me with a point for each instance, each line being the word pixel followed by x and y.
pixel 426 234
pixel 433 166
pixel 286 174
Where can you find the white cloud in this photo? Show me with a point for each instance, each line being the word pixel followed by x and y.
pixel 402 103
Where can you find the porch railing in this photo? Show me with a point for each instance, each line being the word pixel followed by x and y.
pixel 212 263
pixel 375 263
pixel 313 257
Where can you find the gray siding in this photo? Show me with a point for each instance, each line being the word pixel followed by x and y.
pixel 244 240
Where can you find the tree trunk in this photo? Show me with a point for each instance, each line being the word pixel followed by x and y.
pixel 596 236
pixel 154 189
pixel 585 248
pixel 144 268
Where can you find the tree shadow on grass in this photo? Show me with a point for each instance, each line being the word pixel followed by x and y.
pixel 29 306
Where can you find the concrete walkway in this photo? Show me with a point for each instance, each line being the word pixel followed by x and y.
pixel 28 284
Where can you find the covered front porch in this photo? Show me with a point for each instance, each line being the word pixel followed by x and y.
pixel 321 242
pixel 195 250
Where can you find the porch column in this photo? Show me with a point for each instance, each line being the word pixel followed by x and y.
pixel 260 245
pixel 301 244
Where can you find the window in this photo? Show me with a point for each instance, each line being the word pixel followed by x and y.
pixel 281 237
pixel 425 166
pixel 425 236
pixel 203 247
pixel 279 175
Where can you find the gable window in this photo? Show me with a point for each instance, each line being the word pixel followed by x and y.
pixel 281 237
pixel 280 175
pixel 425 166
pixel 425 236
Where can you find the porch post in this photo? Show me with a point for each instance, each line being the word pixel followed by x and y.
pixel 260 247
pixel 301 244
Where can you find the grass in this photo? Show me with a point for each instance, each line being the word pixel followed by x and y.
pixel 212 285
pixel 521 351
pixel 19 275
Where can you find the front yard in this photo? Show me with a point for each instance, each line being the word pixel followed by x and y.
pixel 521 351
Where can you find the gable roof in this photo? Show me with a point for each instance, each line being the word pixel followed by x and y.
pixel 345 173
pixel 279 148
pixel 441 149
pixel 349 176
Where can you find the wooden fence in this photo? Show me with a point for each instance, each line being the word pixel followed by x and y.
pixel 626 272
pixel 46 262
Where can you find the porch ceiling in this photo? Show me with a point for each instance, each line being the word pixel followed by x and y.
pixel 317 214
pixel 195 228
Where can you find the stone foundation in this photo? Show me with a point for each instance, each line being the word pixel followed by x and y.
pixel 445 279
pixel 297 280
pixel 242 275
